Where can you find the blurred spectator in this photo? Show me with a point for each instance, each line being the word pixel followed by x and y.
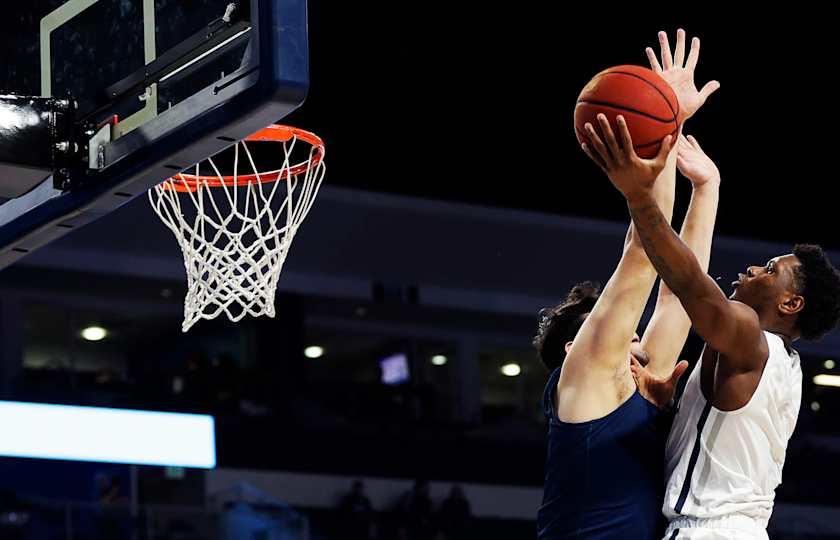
pixel 195 385
pixel 14 516
pixel 455 514
pixel 225 383
pixel 113 508
pixel 357 513
pixel 416 509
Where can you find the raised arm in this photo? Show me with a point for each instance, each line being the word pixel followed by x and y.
pixel 729 327
pixel 669 326
pixel 604 339
pixel 598 360
pixel 590 383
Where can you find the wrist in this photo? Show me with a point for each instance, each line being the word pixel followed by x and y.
pixel 639 197
pixel 711 182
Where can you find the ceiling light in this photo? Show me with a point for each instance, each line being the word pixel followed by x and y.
pixel 94 333
pixel 827 380
pixel 511 370
pixel 439 360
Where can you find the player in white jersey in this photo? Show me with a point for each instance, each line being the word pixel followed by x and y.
pixel 726 449
pixel 722 467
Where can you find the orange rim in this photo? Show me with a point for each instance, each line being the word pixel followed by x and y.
pixel 185 182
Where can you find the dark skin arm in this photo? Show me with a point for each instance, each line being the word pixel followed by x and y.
pixel 729 327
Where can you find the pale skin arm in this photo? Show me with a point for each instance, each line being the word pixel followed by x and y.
pixel 585 393
pixel 669 326
pixel 596 377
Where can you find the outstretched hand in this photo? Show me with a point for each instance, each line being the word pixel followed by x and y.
pixel 678 71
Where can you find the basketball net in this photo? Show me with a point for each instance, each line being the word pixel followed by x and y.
pixel 235 231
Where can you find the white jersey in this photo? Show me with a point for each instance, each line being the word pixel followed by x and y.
pixel 724 466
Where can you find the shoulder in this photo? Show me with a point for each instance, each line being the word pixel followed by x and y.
pixel 748 350
pixel 744 313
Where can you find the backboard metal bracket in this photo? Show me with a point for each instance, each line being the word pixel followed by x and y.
pixel 152 144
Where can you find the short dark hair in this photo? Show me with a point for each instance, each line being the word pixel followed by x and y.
pixel 560 324
pixel 818 281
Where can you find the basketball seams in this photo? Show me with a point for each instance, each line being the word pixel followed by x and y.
pixel 650 118
pixel 640 113
pixel 582 136
pixel 672 134
pixel 626 109
pixel 660 92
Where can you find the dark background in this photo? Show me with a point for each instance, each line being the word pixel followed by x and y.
pixel 474 101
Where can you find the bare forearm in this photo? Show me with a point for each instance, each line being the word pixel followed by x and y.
pixel 673 260
pixel 663 193
pixel 699 225
pixel 605 337
pixel 723 324
pixel 665 186
pixel 669 326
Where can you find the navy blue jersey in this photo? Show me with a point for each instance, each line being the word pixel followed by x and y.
pixel 604 479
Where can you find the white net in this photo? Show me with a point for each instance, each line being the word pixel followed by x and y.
pixel 235 235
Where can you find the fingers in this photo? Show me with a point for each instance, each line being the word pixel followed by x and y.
pixel 709 89
pixel 664 150
pixel 626 139
pixel 597 145
pixel 665 51
pixel 654 61
pixel 684 154
pixel 609 137
pixel 693 54
pixel 682 164
pixel 694 142
pixel 679 52
pixel 689 143
pixel 594 157
pixel 679 370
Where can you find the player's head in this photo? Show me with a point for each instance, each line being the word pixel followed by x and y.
pixel 559 325
pixel 799 291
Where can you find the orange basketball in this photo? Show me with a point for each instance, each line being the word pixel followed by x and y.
pixel 642 97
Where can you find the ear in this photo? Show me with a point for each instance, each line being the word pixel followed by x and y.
pixel 792 304
pixel 568 346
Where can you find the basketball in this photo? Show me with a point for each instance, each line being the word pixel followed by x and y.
pixel 645 99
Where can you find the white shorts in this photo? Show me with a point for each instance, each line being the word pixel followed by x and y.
pixel 724 528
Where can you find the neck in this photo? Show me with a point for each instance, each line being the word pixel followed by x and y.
pixel 785 333
pixel 778 327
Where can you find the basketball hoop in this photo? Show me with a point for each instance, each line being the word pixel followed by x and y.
pixel 235 244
